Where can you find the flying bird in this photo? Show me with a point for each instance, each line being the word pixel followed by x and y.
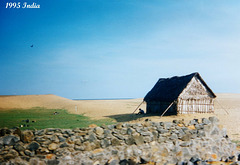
pixel 31 46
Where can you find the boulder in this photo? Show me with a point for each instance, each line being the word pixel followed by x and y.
pixel 53 146
pixel 33 146
pixel 10 140
pixel 99 131
pixel 27 136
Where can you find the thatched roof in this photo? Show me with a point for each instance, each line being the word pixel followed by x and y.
pixel 168 89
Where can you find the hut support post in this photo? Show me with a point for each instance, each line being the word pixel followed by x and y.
pixel 167 108
pixel 138 107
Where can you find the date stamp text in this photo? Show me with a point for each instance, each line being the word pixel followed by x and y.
pixel 17 5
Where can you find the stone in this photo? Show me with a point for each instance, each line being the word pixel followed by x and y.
pixel 124 131
pixel 191 127
pixel 167 125
pixel 213 120
pixel 61 139
pixel 112 162
pixel 10 140
pixel 162 131
pixel 29 153
pixel 147 134
pixel 186 137
pixel 173 136
pixel 44 150
pixel 27 136
pixel 99 131
pixel 33 146
pixel 215 131
pixel 118 126
pixel 92 137
pixel 40 132
pixel 19 147
pixel 138 139
pixel 206 121
pixel 53 146
pixel 105 143
pixel 40 139
pixel 53 162
pixel 64 145
pixel 87 146
pixel 119 136
pixel 116 142
pixel 130 141
pixel 54 138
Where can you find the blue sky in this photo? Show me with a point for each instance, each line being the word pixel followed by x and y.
pixel 117 48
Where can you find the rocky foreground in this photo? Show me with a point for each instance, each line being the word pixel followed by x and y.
pixel 197 142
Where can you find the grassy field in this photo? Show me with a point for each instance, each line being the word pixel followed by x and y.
pixel 40 118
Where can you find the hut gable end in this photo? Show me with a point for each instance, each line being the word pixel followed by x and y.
pixel 195 90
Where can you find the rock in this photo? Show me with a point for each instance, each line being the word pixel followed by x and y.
pixel 119 136
pixel 61 139
pixel 138 139
pixel 99 131
pixel 44 151
pixel 167 125
pixel 191 127
pixel 92 137
pixel 173 137
pixel 186 137
pixel 105 143
pixel 29 153
pixel 64 145
pixel 17 132
pixel 4 131
pixel 87 146
pixel 215 131
pixel 10 140
pixel 147 134
pixel 8 157
pixel 116 142
pixel 124 131
pixel 27 136
pixel 118 126
pixel 40 132
pixel 213 120
pixel 52 146
pixel 53 162
pixel 206 121
pixel 19 147
pixel 112 162
pixel 54 138
pixel 130 141
pixel 33 146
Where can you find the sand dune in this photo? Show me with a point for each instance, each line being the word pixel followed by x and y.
pixel 227 109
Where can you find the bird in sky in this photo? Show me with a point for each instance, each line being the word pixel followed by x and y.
pixel 31 46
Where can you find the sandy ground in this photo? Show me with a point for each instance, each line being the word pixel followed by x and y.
pixel 227 109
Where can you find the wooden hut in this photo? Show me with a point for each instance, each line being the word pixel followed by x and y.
pixel 182 95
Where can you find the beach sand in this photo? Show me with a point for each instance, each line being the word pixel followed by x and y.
pixel 227 109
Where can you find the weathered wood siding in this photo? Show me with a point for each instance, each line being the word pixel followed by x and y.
pixel 195 98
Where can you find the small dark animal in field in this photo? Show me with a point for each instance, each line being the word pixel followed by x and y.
pixel 34 121
pixel 55 113
pixel 27 121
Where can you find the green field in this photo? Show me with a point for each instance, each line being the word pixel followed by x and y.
pixel 40 118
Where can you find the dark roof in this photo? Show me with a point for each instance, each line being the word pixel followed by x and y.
pixel 168 89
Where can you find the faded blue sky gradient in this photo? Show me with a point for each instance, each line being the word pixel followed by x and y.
pixel 117 48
